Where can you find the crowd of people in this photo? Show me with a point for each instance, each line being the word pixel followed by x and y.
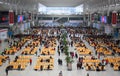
pixel 46 37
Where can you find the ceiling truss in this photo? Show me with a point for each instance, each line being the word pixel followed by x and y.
pixel 32 5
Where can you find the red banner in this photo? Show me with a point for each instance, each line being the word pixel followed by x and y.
pixel 114 17
pixel 11 17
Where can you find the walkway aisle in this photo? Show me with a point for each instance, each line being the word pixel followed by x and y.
pixel 63 68
pixel 3 45
pixel 56 57
pixel 72 49
pixel 74 71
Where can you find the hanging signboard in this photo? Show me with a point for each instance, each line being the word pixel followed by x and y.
pixel 114 18
pixel 11 17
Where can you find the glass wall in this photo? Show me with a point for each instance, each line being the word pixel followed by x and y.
pixel 79 9
pixel 42 9
pixel 60 10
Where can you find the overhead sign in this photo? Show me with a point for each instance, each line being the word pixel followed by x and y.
pixel 114 17
pixel 11 17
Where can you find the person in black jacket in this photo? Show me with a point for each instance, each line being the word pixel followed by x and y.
pixel 119 68
pixel 41 67
pixel 58 52
pixel 48 68
pixel 6 70
pixel 76 55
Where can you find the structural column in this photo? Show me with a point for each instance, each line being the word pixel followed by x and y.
pixel 89 19
pixel 68 19
pixel 84 18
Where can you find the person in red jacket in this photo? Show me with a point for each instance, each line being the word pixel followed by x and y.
pixel 99 56
pixel 107 61
pixel 30 61
pixel 72 54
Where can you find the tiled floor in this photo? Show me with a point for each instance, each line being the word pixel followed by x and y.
pixel 57 68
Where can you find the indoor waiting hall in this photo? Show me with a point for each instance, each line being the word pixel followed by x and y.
pixel 59 38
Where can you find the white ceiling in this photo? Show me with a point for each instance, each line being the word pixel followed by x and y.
pixel 61 3
pixel 32 5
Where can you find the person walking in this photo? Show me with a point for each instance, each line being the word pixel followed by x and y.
pixel 30 61
pixel 99 56
pixel 58 47
pixel 76 55
pixel 58 52
pixel 87 74
pixel 6 70
pixel 60 73
pixel 9 60
pixel 72 55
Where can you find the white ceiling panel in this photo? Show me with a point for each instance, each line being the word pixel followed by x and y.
pixel 61 3
pixel 32 4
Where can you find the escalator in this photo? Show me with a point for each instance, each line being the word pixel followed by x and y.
pixel 61 20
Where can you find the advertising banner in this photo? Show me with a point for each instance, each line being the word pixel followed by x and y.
pixel 114 17
pixel 11 17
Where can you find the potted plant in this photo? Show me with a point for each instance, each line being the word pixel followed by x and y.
pixel 66 52
pixel 68 59
pixel 69 62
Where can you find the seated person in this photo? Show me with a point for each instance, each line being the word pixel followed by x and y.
pixel 3 60
pixel 89 68
pixel 102 68
pixel 41 60
pixel 97 68
pixel 19 67
pixel 119 68
pixel 41 67
pixel 50 57
pixel 47 60
pixel 111 64
pixel 48 53
pixel 100 64
pixel 89 53
pixel 48 68
pixel 43 53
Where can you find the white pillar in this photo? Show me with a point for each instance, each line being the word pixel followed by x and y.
pixel 108 11
pixel 32 16
pixel 84 18
pixel 68 18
